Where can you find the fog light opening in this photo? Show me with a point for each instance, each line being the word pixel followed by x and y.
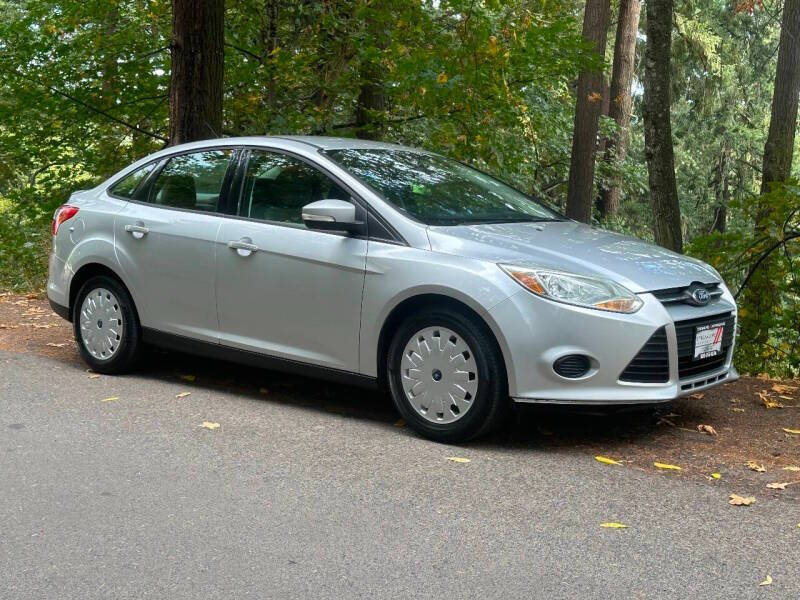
pixel 572 366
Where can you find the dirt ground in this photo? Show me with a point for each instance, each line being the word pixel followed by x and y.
pixel 750 417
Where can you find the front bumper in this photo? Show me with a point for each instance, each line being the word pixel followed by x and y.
pixel 535 332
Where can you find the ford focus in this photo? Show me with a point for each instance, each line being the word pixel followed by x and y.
pixel 386 266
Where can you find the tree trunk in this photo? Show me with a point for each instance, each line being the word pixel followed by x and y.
pixel 621 98
pixel 370 104
pixel 783 121
pixel 196 77
pixel 758 304
pixel 587 112
pixel 721 190
pixel 657 127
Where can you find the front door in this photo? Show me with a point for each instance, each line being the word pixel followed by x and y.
pixel 166 244
pixel 283 289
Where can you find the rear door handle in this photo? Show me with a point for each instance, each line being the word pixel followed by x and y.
pixel 243 247
pixel 138 230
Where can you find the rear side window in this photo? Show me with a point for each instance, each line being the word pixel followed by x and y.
pixel 130 185
pixel 192 181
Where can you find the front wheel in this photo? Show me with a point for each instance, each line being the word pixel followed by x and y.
pixel 446 376
pixel 106 326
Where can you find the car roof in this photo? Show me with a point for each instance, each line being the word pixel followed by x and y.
pixel 317 141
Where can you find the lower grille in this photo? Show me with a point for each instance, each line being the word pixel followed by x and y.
pixel 685 331
pixel 651 364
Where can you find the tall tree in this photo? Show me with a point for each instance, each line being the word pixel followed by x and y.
pixel 196 76
pixel 588 107
pixel 760 298
pixel 657 127
pixel 621 99
pixel 783 121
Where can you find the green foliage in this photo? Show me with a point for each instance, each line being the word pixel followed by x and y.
pixel 740 256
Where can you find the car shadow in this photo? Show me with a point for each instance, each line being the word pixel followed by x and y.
pixel 528 426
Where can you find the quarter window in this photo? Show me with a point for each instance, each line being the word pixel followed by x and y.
pixel 131 186
pixel 192 181
pixel 277 187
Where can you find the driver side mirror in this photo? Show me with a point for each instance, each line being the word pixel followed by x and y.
pixel 332 215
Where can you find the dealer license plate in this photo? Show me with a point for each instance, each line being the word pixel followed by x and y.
pixel 708 340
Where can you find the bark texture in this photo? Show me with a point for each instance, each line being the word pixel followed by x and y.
pixel 657 126
pixel 588 107
pixel 196 76
pixel 783 120
pixel 621 99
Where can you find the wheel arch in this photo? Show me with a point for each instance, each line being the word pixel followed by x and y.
pixel 85 273
pixel 408 306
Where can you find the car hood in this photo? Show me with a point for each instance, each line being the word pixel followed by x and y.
pixel 577 248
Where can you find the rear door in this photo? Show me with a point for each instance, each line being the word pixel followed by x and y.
pixel 165 243
pixel 283 289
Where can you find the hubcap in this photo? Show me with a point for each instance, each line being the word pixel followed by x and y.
pixel 439 374
pixel 101 324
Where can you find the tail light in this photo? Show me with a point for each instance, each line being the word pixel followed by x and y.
pixel 63 213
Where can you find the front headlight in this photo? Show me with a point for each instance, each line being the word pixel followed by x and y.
pixel 580 290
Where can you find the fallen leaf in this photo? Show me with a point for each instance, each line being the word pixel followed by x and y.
pixel 111 399
pixel 754 466
pixel 188 377
pixel 707 429
pixel 716 475
pixel 763 376
pixel 737 500
pixel 607 461
pixel 736 409
pixel 183 394
pixel 399 423
pixel 767 581
pixel 791 468
pixel 697 396
pixel 458 459
pixel 441 78
pixel 209 425
pixel 667 466
pixel 94 376
pixel 777 486
pixel 792 431
pixel 767 401
pixel 56 345
pixel 613 525
pixel 783 389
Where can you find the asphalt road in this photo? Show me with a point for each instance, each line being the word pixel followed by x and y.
pixel 314 492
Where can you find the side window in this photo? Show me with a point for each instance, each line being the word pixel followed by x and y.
pixel 277 187
pixel 130 185
pixel 192 181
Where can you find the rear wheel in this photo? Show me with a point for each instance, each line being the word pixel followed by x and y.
pixel 446 376
pixel 106 326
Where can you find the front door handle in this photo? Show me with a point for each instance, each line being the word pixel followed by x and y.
pixel 243 246
pixel 138 230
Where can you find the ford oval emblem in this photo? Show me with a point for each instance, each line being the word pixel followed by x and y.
pixel 700 296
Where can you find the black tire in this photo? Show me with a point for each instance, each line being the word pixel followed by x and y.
pixel 127 354
pixel 491 402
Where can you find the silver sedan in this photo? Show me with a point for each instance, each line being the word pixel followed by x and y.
pixel 386 266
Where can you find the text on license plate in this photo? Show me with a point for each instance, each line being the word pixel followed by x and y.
pixel 708 340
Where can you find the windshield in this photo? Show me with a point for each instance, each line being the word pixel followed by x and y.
pixel 439 191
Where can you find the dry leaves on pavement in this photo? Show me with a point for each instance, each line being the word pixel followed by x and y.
pixel 767 581
pixel 754 466
pixel 209 425
pixel 607 461
pixel 613 525
pixel 111 399
pixel 183 394
pixel 707 429
pixel 737 500
pixel 667 466
pixel 458 459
